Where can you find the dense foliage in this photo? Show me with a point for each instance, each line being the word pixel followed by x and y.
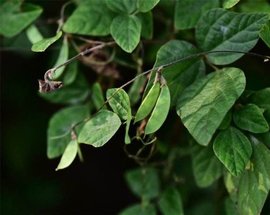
pixel 190 47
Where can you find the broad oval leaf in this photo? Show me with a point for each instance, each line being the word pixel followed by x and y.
pixel 122 6
pixel 119 102
pixel 99 129
pixel 204 104
pixel 69 155
pixel 126 31
pixel 14 17
pixel 139 210
pixel 144 182
pixel 90 18
pixel 250 118
pixel 170 202
pixel 221 30
pixel 147 24
pixel 43 44
pixel 160 111
pixel 206 167
pixel 233 149
pixel 188 12
pixel 59 129
pixel 183 73
pixel 146 5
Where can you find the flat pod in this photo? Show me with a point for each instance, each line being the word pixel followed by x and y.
pixel 148 103
pixel 160 111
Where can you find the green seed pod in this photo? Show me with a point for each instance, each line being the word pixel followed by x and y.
pixel 160 111
pixel 148 103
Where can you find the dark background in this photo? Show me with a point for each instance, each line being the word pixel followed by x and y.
pixel 29 182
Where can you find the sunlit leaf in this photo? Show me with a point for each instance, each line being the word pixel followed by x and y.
pixel 33 34
pixel 146 5
pixel 43 44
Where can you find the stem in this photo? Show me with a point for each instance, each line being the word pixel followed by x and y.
pixel 80 153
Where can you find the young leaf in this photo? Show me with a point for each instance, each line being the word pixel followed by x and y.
pixel 160 111
pixel 69 155
pixel 219 30
pixel 42 45
pixel 126 31
pixel 227 4
pixel 148 103
pixel 254 185
pixel 139 210
pixel 62 58
pixel 33 34
pixel 233 149
pixel 182 74
pixel 97 95
pixel 119 102
pixel 122 6
pixel 59 129
pixel 188 12
pixel 250 118
pixel 143 182
pixel 206 167
pixel 261 98
pixel 170 202
pixel 147 24
pixel 265 34
pixel 14 18
pixel 99 129
pixel 203 106
pixel 91 18
pixel 146 5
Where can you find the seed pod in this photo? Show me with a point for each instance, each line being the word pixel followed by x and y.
pixel 148 103
pixel 160 111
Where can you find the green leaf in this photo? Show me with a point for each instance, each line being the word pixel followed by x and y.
pixel 97 95
pixel 73 93
pixel 33 34
pixel 70 74
pixel 265 34
pixel 255 6
pixel 127 138
pixel 99 129
pixel 14 18
pixel 147 24
pixel 254 185
pixel 59 129
pixel 250 118
pixel 119 102
pixel 188 12
pixel 227 4
pixel 143 182
pixel 126 31
pixel 206 167
pixel 146 5
pixel 182 74
pixel 230 207
pixel 135 89
pixel 139 210
pixel 90 18
pixel 62 58
pixel 226 121
pixel 69 155
pixel 203 105
pixel 219 30
pixel 160 111
pixel 233 149
pixel 122 6
pixel 170 202
pixel 261 98
pixel 42 45
pixel 148 102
